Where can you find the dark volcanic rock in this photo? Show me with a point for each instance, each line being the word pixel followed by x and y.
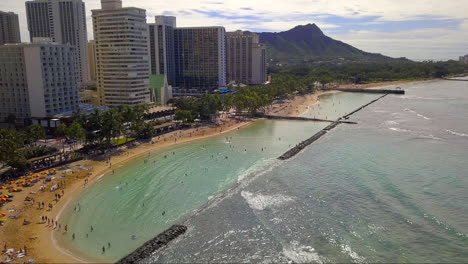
pixel 153 245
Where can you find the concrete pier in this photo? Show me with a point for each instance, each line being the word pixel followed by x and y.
pixel 153 245
pixel 299 118
pixel 375 91
pixel 458 80
pixel 299 147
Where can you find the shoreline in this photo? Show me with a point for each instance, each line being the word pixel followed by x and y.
pixel 36 234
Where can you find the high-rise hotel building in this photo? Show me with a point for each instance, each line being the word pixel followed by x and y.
pixel 9 28
pixel 64 22
pixel 246 58
pixel 122 54
pixel 37 80
pixel 200 60
pixel 161 36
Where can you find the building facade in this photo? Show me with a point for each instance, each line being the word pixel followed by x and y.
pixel 63 21
pixel 464 59
pixel 92 60
pixel 9 28
pixel 200 60
pixel 246 58
pixel 122 54
pixel 161 36
pixel 37 80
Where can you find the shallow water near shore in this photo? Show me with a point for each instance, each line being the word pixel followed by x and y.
pixel 126 208
pixel 393 188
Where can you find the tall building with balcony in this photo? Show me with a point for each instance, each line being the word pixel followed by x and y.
pixel 246 58
pixel 37 80
pixel 122 54
pixel 161 36
pixel 9 28
pixel 64 22
pixel 92 60
pixel 200 60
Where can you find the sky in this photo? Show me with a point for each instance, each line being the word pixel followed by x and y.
pixel 416 29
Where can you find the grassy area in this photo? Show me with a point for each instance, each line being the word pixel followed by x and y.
pixel 120 141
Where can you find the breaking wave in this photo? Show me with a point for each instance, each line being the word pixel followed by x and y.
pixel 261 202
pixel 457 133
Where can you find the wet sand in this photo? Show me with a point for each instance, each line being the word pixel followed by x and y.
pixel 40 238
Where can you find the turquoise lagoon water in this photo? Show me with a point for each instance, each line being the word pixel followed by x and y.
pixel 391 189
pixel 126 208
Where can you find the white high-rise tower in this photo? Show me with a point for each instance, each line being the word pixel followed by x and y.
pixel 122 54
pixel 64 22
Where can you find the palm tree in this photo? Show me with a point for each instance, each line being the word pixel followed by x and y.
pixel 35 133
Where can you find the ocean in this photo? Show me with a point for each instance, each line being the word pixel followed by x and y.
pixel 392 188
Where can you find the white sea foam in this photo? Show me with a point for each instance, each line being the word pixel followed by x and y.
pixel 423 116
pixel 347 249
pixel 244 179
pixel 391 123
pixel 412 97
pixel 430 137
pixel 418 114
pixel 301 254
pixel 457 133
pixel 399 129
pixel 258 167
pixel 261 202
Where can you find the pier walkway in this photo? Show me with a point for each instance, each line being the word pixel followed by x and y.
pixel 369 90
pixel 299 118
pixel 299 147
pixel 458 80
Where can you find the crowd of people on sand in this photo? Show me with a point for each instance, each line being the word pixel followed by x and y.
pixel 51 181
pixel 12 255
pixel 55 181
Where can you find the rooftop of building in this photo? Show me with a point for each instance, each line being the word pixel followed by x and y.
pixel 36 42
pixel 9 13
pixel 204 27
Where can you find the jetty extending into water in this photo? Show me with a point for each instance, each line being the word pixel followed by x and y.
pixel 300 118
pixel 361 90
pixel 153 245
pixel 458 80
pixel 299 147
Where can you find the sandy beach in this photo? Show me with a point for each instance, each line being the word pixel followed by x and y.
pixel 38 238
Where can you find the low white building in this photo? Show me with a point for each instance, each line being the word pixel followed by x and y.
pixel 37 80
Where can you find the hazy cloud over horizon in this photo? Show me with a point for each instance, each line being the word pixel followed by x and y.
pixel 418 29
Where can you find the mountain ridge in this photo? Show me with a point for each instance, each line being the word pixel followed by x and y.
pixel 308 44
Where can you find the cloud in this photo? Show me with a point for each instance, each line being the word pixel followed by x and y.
pixel 382 26
pixel 418 44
